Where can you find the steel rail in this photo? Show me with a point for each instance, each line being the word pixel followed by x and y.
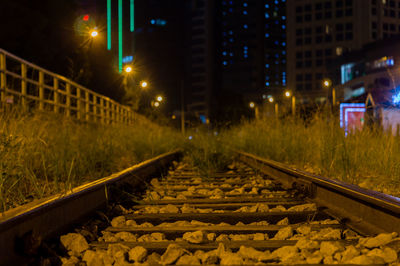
pixel 45 218
pixel 365 211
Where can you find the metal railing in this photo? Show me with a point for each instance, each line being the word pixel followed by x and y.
pixel 31 86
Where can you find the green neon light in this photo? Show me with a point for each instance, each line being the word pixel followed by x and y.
pixel 132 15
pixel 120 35
pixel 109 24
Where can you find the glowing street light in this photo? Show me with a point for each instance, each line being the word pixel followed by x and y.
pixel 156 104
pixel 327 83
pixel 252 105
pixel 289 94
pixel 128 69
pixel 94 33
pixel 159 98
pixel 271 99
pixel 143 84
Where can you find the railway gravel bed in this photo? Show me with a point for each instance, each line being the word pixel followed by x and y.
pixel 240 217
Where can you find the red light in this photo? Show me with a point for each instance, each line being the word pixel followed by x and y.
pixel 86 17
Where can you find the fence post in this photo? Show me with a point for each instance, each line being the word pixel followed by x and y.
pixel 95 118
pixel 87 106
pixel 78 103
pixel 41 90
pixel 102 118
pixel 108 120
pixel 56 98
pixel 24 87
pixel 68 99
pixel 3 82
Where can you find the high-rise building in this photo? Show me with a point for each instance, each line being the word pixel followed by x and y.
pixel 238 54
pixel 320 30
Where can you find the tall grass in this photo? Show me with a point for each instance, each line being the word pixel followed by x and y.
pixel 369 158
pixel 206 151
pixel 45 153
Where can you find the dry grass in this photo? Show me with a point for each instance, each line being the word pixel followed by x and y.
pixel 44 153
pixel 369 158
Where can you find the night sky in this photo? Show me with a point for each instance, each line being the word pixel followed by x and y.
pixel 43 33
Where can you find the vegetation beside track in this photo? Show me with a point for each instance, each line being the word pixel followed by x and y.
pixel 369 158
pixel 43 153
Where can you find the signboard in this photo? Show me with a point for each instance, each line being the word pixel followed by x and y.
pixel 352 116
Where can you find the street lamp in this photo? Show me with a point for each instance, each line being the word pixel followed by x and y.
pixel 252 105
pixel 143 84
pixel 94 33
pixel 159 98
pixel 271 99
pixel 128 69
pixel 327 84
pixel 290 94
pixel 156 104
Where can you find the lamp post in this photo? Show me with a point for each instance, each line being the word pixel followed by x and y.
pixel 252 105
pixel 328 84
pixel 276 106
pixel 290 94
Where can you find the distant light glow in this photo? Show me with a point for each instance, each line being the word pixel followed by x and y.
pixel 252 104
pixel 143 84
pixel 190 137
pixel 120 36
pixel 108 24
pixel 159 98
pixel 132 5
pixel 396 98
pixel 94 33
pixel 128 69
pixel 86 17
pixel 127 59
pixel 271 99
pixel 156 104
pixel 287 94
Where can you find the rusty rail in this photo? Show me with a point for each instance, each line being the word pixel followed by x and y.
pixel 46 217
pixel 365 211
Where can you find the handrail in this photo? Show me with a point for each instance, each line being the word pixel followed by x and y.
pixel 61 96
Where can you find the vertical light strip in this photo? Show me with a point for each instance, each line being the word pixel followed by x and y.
pixel 132 15
pixel 109 24
pixel 120 35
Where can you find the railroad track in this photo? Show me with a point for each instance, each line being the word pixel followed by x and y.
pixel 256 212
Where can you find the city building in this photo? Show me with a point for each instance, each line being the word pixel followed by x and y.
pixel 320 30
pixel 238 55
pixel 370 70
pixel 368 86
